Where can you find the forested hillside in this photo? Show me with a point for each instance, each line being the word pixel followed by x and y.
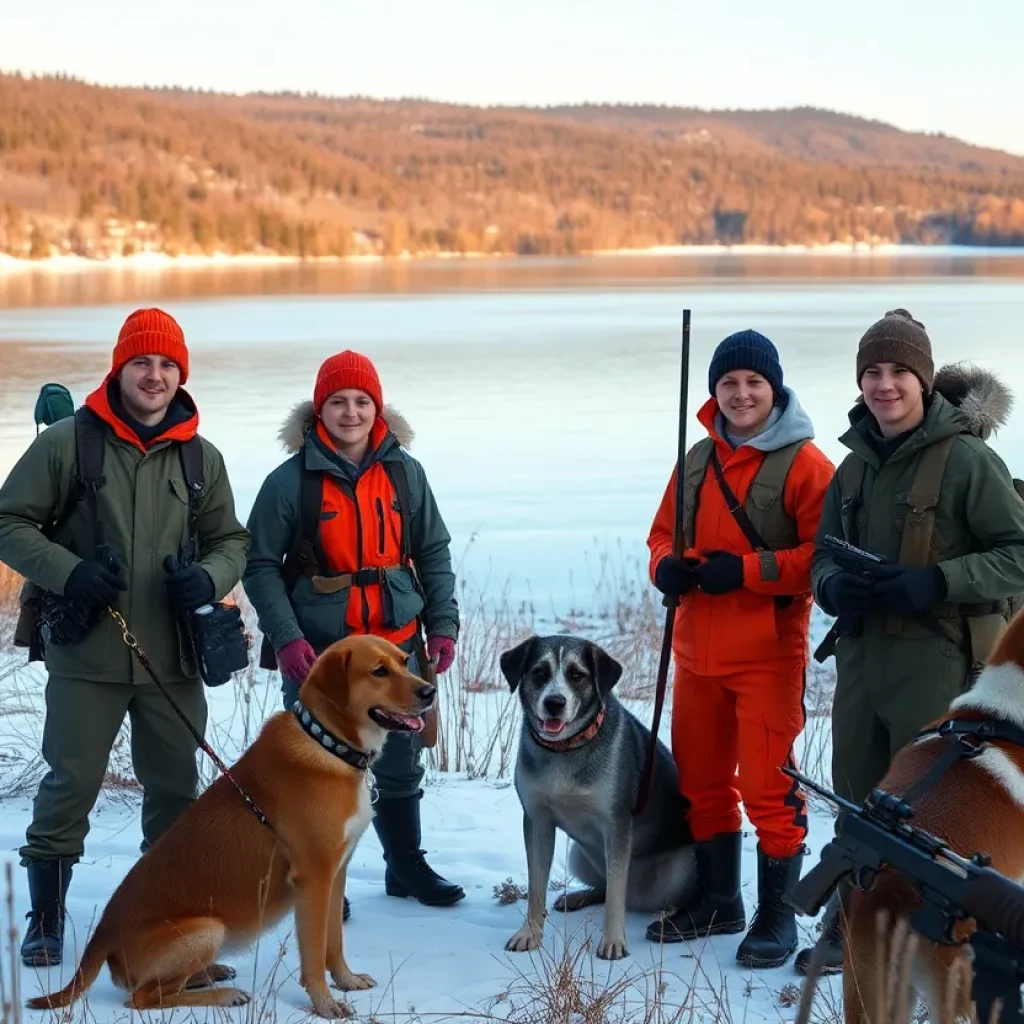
pixel 101 171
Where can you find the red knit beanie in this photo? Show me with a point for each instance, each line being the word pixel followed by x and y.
pixel 150 332
pixel 347 369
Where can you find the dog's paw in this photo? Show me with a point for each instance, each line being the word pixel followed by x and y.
pixel 612 948
pixel 526 939
pixel 235 997
pixel 571 901
pixel 348 981
pixel 331 1008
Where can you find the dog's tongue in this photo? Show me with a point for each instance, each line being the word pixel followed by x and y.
pixel 415 722
pixel 553 725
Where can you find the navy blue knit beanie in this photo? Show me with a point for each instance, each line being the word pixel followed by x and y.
pixel 746 350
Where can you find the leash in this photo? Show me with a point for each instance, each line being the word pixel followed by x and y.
pixel 133 644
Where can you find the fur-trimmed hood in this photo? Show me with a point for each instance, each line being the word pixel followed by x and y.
pixel 983 400
pixel 292 434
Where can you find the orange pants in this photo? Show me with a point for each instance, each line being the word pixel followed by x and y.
pixel 731 736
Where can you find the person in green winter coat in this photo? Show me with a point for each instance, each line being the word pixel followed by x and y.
pixel 922 490
pixel 372 513
pixel 142 417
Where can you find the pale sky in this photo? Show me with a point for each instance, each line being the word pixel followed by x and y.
pixel 925 65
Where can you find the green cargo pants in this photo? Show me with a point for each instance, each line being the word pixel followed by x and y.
pixel 888 688
pixel 82 722
pixel 399 770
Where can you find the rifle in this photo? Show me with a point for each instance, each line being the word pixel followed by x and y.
pixel 878 834
pixel 670 603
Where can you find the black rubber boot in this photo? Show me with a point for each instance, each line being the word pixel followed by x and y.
pixel 832 938
pixel 48 882
pixel 717 906
pixel 397 823
pixel 772 938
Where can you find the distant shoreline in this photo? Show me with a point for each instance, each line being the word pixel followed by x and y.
pixel 158 261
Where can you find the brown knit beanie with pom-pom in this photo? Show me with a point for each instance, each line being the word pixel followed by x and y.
pixel 898 338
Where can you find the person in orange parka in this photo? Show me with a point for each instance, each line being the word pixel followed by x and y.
pixel 740 648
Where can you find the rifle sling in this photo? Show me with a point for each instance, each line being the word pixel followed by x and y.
pixel 739 513
pixel 769 566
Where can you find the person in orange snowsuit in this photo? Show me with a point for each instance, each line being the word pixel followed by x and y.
pixel 740 641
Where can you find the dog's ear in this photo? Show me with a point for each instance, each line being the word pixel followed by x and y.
pixel 514 660
pixel 606 670
pixel 330 672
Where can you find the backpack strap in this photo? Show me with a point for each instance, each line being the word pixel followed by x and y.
pixel 851 484
pixel 191 455
pixel 919 524
pixel 398 474
pixel 305 554
pixel 88 479
pixel 916 542
pixel 765 498
pixel 697 459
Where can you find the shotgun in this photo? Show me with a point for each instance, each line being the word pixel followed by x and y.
pixel 670 603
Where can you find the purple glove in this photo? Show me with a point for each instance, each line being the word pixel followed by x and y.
pixel 441 649
pixel 295 659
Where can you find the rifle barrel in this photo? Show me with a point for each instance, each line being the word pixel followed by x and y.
pixel 815 787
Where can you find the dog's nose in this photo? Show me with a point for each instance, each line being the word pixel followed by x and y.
pixel 554 704
pixel 426 692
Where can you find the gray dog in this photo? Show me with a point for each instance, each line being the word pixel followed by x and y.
pixel 581 756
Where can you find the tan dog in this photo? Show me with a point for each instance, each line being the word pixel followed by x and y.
pixel 976 805
pixel 219 877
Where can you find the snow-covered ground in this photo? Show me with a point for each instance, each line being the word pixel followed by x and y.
pixel 429 964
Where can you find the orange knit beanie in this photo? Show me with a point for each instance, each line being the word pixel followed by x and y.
pixel 347 369
pixel 150 332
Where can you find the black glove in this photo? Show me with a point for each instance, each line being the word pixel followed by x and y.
pixel 93 584
pixel 674 576
pixel 721 573
pixel 849 595
pixel 909 589
pixel 189 588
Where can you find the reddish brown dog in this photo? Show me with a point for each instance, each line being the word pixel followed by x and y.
pixel 219 877
pixel 976 805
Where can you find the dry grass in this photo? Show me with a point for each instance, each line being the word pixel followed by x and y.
pixel 567 986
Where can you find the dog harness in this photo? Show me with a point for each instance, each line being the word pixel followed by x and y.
pixel 965 739
pixel 585 736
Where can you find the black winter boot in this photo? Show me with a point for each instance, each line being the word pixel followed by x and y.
pixel 397 823
pixel 48 882
pixel 832 938
pixel 772 936
pixel 716 907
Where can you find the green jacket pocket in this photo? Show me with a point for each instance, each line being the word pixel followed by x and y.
pixel 401 599
pixel 321 617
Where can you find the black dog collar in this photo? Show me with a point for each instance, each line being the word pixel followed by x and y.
pixel 358 759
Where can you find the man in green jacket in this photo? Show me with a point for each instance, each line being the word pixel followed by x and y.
pixel 142 417
pixel 922 490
